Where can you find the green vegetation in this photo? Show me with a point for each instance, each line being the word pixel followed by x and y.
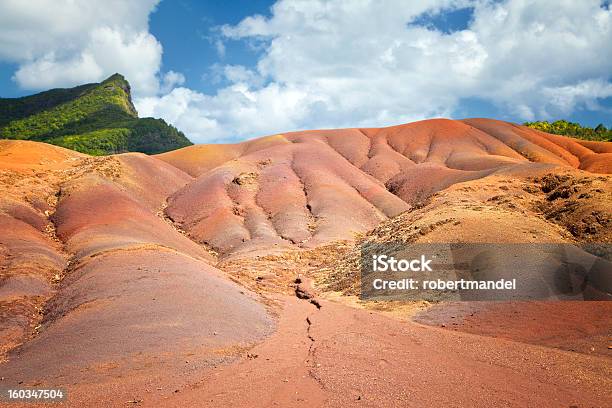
pixel 563 127
pixel 19 108
pixel 96 143
pixel 96 119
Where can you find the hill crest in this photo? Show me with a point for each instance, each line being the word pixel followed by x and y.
pixel 97 119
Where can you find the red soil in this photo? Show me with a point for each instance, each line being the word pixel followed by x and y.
pixel 339 356
pixel 307 188
pixel 137 280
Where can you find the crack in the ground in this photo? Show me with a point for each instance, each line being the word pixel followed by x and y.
pixel 310 356
pixel 301 292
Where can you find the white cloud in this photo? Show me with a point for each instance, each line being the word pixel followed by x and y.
pixel 138 57
pixel 234 110
pixel 585 92
pixel 329 63
pixel 48 72
pixel 220 48
pixel 347 63
pixel 65 43
pixel 239 73
pixel 171 80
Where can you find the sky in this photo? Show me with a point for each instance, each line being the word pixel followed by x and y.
pixel 233 70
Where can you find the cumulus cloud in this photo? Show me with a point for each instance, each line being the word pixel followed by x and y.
pixel 346 63
pixel 171 80
pixel 330 63
pixel 585 92
pixel 65 43
pixel 138 57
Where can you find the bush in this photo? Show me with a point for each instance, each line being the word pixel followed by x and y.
pixel 563 127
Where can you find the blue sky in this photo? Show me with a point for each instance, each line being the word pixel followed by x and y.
pixel 189 45
pixel 186 31
pixel 225 71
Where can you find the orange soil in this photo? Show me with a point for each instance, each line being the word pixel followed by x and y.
pixel 164 280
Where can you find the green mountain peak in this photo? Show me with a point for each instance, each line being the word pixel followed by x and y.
pixel 97 119
pixel 116 77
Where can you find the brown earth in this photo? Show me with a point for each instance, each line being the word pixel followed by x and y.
pixel 171 280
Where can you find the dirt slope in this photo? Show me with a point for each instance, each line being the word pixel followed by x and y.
pixel 170 280
pixel 307 188
pixel 91 264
